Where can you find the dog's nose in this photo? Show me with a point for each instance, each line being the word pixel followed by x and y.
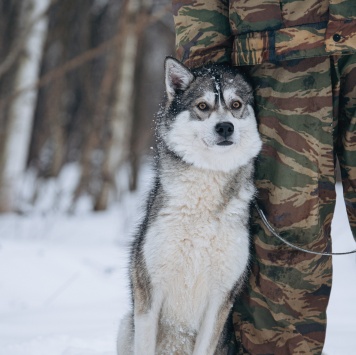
pixel 224 129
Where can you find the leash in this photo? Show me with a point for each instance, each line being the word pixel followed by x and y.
pixel 274 232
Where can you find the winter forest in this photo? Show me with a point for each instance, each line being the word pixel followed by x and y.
pixel 80 83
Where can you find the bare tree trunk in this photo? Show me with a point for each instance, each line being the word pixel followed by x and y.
pixel 122 113
pixel 149 89
pixel 21 111
pixel 95 136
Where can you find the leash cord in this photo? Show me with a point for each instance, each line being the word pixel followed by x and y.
pixel 274 232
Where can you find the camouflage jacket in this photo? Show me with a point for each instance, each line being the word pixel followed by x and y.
pixel 249 32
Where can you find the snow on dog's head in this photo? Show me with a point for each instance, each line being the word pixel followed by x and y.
pixel 209 120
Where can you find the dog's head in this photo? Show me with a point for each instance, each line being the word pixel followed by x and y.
pixel 209 120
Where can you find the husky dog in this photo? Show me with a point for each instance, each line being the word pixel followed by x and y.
pixel 189 258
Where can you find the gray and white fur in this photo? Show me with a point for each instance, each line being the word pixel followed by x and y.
pixel 190 255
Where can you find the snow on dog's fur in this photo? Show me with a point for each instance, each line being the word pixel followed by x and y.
pixel 189 258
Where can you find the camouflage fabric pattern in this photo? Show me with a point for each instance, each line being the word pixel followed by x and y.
pixel 307 117
pixel 342 15
pixel 306 108
pixel 304 124
pixel 345 129
pixel 202 28
pixel 262 30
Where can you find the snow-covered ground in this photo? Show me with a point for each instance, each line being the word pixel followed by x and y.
pixel 63 286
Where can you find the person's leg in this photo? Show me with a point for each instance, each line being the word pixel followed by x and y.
pixel 283 309
pixel 345 70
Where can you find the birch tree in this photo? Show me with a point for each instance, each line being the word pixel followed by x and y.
pixel 122 113
pixel 32 32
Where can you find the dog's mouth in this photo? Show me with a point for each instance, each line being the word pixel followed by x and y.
pixel 224 143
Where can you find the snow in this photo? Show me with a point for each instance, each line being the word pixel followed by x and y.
pixel 64 291
pixel 341 330
pixel 63 279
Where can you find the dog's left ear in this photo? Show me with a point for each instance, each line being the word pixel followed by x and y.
pixel 177 77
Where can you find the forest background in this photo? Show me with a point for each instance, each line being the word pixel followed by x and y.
pixel 80 82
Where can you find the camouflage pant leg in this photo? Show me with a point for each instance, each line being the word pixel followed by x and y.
pixel 345 73
pixel 283 309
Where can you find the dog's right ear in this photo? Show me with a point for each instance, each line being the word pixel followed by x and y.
pixel 177 77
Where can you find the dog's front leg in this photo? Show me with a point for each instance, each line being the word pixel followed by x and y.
pixel 212 326
pixel 146 326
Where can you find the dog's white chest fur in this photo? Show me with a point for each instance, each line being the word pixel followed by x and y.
pixel 197 247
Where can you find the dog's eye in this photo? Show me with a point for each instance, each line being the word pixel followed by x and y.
pixel 236 105
pixel 202 106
